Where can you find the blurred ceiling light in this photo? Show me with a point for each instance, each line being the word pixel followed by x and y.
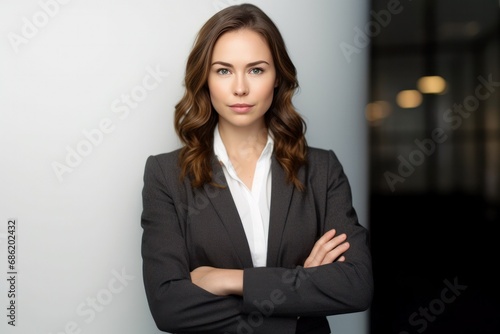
pixel 472 28
pixel 377 110
pixel 433 84
pixel 410 98
pixel 458 30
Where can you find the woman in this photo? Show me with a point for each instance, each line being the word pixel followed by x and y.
pixel 246 228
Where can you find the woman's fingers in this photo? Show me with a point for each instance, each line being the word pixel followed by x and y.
pixel 327 249
pixel 321 241
pixel 334 254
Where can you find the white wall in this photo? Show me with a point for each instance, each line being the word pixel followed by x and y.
pixel 73 147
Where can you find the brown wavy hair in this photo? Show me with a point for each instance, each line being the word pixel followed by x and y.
pixel 195 118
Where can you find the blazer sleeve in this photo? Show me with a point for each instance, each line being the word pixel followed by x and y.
pixel 176 304
pixel 336 288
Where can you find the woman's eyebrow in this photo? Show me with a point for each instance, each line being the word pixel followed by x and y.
pixel 258 62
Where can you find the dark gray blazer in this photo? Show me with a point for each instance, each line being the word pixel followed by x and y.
pixel 184 228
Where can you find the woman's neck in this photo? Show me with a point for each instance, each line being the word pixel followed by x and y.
pixel 243 144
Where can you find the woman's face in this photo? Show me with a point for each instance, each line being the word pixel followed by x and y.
pixel 242 79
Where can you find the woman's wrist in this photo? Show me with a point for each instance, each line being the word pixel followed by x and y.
pixel 232 281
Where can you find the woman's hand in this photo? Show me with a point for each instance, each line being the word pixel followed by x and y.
pixel 220 282
pixel 327 249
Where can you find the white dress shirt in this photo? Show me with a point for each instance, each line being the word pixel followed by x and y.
pixel 253 204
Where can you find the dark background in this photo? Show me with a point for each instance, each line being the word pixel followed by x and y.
pixel 437 225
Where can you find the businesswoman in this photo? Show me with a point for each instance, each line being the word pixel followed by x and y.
pixel 247 229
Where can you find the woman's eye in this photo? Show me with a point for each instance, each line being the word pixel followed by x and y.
pixel 256 71
pixel 223 71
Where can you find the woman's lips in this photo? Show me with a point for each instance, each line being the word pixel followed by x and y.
pixel 241 107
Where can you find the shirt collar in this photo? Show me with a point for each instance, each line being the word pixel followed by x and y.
pixel 221 153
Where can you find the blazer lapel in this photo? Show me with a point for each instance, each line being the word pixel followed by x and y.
pixel 281 194
pixel 226 209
